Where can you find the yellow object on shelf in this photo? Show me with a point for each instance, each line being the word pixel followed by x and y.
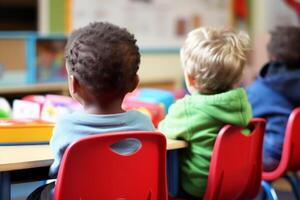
pixel 25 131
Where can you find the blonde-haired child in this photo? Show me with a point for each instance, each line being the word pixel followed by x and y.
pixel 213 60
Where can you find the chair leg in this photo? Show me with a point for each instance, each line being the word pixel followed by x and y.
pixel 269 191
pixel 295 184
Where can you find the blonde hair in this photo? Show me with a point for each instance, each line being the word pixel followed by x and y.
pixel 214 58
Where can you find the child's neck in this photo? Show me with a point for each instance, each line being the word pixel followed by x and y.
pixel 101 108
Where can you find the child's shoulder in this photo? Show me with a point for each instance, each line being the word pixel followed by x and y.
pixel 138 115
pixel 66 118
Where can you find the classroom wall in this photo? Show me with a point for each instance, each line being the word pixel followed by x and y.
pixel 160 68
pixel 266 16
pixel 164 67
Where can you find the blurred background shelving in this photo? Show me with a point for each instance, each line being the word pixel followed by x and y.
pixel 33 32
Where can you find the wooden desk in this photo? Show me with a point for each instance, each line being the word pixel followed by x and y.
pixel 14 158
pixel 33 156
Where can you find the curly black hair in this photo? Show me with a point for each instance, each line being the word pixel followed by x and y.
pixel 285 44
pixel 104 58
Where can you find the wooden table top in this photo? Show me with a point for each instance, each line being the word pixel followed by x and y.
pixel 33 156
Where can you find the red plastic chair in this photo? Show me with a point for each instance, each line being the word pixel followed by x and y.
pixel 236 163
pixel 92 170
pixel 290 158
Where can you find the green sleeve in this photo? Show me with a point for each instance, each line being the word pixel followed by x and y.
pixel 175 125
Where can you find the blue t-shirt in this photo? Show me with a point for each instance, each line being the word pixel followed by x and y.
pixel 71 127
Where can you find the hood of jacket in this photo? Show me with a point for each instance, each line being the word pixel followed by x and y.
pixel 230 107
pixel 282 79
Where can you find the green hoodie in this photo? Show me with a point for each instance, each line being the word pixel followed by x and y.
pixel 197 119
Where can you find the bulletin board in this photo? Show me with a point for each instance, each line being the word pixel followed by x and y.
pixel 155 23
pixel 281 13
pixel 50 64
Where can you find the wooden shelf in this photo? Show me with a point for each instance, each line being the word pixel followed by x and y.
pixel 15 92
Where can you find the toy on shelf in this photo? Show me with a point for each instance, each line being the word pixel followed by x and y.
pixel 153 110
pixel 47 107
pixel 179 93
pixel 150 101
pixel 23 109
pixel 19 132
pixel 56 105
pixel 39 58
pixel 153 95
pixel 50 60
pixel 5 109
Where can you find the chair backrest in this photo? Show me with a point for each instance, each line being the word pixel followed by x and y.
pixel 236 163
pixel 290 159
pixel 291 145
pixel 93 168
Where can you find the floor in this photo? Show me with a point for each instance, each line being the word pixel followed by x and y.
pixel 21 191
pixel 283 189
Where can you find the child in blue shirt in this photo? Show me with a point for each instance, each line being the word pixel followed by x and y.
pixel 275 92
pixel 102 61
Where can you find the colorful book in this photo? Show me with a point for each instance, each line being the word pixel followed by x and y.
pixel 25 131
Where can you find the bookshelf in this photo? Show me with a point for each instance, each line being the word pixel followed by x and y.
pixel 17 92
pixel 18 15
pixel 28 58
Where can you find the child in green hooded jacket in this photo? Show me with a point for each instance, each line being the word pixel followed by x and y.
pixel 213 61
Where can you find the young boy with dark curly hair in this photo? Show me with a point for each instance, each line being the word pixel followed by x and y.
pixel 275 92
pixel 102 61
pixel 213 60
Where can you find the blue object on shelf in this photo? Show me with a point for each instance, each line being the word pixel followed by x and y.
pixel 153 95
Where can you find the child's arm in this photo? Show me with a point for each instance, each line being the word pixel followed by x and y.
pixel 175 125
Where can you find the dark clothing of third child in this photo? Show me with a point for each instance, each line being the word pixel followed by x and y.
pixel 273 96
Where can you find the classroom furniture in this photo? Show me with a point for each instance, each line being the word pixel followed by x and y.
pixel 30 58
pixel 30 158
pixel 290 159
pixel 236 163
pixel 17 92
pixel 41 88
pixel 124 165
pixel 45 16
pixel 18 15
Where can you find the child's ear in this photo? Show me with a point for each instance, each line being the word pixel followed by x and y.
pixel 190 81
pixel 75 89
pixel 73 85
pixel 135 82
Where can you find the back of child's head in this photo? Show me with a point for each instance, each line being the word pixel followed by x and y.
pixel 104 58
pixel 284 45
pixel 214 58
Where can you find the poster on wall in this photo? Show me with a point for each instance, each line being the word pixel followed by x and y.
pixel 155 23
pixel 281 12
